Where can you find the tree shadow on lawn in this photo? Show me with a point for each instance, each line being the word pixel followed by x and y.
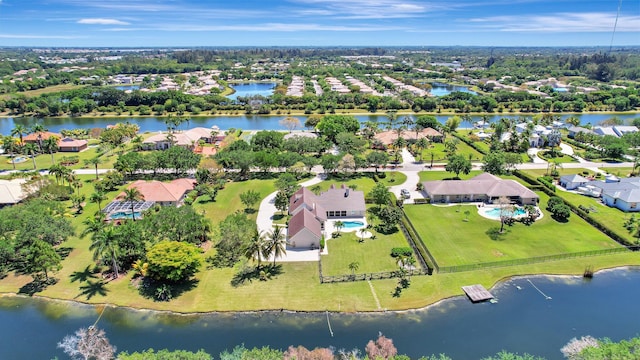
pixel 277 217
pixel 84 275
pixel 495 234
pixel 64 252
pixel 149 288
pixel 92 289
pixel 36 286
pixel 262 273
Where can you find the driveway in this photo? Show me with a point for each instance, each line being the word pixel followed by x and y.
pixel 534 155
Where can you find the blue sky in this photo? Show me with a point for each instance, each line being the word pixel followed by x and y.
pixel 141 23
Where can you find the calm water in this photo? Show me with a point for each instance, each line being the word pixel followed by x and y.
pixel 248 89
pixel 522 321
pixel 251 122
pixel 440 89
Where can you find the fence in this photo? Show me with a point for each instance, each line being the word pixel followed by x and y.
pixel 418 246
pixel 371 276
pixel 534 260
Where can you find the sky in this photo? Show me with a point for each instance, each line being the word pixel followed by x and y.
pixel 186 23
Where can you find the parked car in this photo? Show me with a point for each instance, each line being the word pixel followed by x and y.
pixel 405 193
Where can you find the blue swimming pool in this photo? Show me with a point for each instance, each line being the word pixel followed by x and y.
pixel 494 213
pixel 352 224
pixel 124 215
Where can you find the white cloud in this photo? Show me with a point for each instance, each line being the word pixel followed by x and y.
pixel 35 36
pixel 274 27
pixel 101 21
pixel 560 22
pixel 365 9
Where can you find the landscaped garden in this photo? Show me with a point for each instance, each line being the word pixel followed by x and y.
pixel 468 239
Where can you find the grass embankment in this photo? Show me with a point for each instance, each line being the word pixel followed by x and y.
pixel 43 161
pixel 47 90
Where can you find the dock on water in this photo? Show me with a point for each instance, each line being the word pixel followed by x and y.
pixel 477 293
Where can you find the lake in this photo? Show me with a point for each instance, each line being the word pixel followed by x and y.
pixel 249 89
pixel 523 320
pixel 245 122
pixel 440 89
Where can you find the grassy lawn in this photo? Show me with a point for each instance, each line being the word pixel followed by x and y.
pixel 563 158
pixel 443 175
pixel 363 181
pixel 440 155
pixel 347 248
pixel 468 242
pixel 47 90
pixel 618 171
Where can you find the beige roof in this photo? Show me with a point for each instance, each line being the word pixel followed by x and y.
pixel 11 191
pixel 185 138
pixel 162 191
pixel 389 136
pixel 69 142
pixel 485 183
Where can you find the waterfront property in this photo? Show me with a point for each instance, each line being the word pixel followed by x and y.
pixel 309 212
pixel 37 137
pixel 188 139
pixel 387 138
pixel 484 188
pixel 72 145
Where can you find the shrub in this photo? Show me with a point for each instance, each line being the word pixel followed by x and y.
pixel 401 252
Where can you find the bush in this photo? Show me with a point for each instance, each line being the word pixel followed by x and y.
pixel 401 252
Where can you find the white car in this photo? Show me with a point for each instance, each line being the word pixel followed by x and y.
pixel 405 193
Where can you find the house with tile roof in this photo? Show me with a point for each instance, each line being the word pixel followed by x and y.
pixel 163 193
pixel 188 138
pixel 485 188
pixel 309 212
pixel 36 137
pixel 388 137
pixel 72 145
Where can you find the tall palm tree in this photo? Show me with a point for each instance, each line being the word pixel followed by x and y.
pixel 19 131
pixel 50 145
pixel 57 170
pixel 38 129
pixel 354 266
pixel 95 161
pixel 133 195
pixel 276 243
pixel 256 248
pixel 9 144
pixel 93 224
pixel 31 149
pixel 105 246
pixel 98 197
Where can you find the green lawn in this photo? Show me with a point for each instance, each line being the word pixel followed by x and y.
pixel 364 182
pixel 347 248
pixel 439 154
pixel 562 159
pixel 618 171
pixel 442 175
pixel 466 242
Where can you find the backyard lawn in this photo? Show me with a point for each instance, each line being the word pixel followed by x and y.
pixel 364 182
pixel 440 155
pixel 43 161
pixel 443 175
pixel 347 248
pixel 467 242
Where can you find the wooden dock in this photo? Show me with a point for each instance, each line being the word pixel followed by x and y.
pixel 477 293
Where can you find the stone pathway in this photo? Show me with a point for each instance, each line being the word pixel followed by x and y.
pixel 375 297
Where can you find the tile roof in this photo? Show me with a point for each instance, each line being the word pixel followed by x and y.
pixel 304 220
pixel 184 138
pixel 69 142
pixel 162 192
pixel 41 135
pixel 389 136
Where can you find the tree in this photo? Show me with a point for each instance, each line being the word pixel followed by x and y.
pixel 19 131
pixel 105 246
pixel 94 161
pixel 561 212
pixel 428 121
pixel 173 261
pixel 312 121
pixel 380 194
pixel 249 198
pixel 290 123
pixel 31 149
pixel 506 211
pixel 281 201
pixel 276 244
pixel 377 159
pixel 10 145
pixel 287 183
pixel 458 164
pixel 382 348
pixel 354 266
pixel 332 125
pixel 256 248
pixel 389 217
pixel 511 160
pixel 132 195
pixel 89 343
pixel 421 144
pixel 41 258
pixel 338 225
pixel 50 145
pixel 494 163
pixel 329 162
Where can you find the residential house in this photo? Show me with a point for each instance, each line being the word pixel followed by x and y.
pixel 572 182
pixel 621 130
pixel 72 145
pixel 37 137
pixel 11 192
pixel 538 133
pixel 482 188
pixel 390 136
pixel 604 130
pixel 573 130
pixel 188 138
pixel 163 193
pixel 623 194
pixel 310 212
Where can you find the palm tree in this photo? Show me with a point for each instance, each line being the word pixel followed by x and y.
pixel 422 144
pixel 354 266
pixel 362 232
pixel 276 243
pixel 20 131
pixel 255 250
pixel 338 225
pixel 31 149
pixel 105 246
pixel 133 195
pixel 50 145
pixel 98 197
pixel 38 129
pixel 95 161
pixel 9 144
pixel 93 224
pixel 57 170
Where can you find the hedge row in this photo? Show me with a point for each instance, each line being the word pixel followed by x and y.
pixel 547 183
pixel 470 143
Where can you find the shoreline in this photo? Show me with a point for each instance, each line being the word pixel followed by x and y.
pixel 302 114
pixel 426 307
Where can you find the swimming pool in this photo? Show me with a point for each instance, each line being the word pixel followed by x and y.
pixel 17 160
pixel 494 213
pixel 352 224
pixel 124 215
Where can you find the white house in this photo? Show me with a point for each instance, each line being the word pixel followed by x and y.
pixel 621 130
pixel 604 130
pixel 572 182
